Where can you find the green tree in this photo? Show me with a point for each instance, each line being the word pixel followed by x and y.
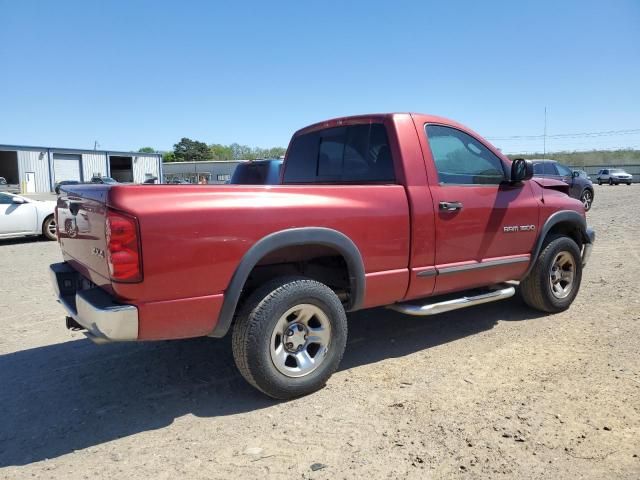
pixel 187 150
pixel 147 150
pixel 168 157
pixel 220 152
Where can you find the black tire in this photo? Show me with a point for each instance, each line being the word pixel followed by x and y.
pixel 536 289
pixel 47 226
pixel 599 182
pixel 257 321
pixel 628 184
pixel 587 199
pixel 610 182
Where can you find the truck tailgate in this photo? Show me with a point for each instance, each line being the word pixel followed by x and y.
pixel 81 214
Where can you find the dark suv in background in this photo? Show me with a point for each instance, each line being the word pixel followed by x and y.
pixel 257 172
pixel 579 187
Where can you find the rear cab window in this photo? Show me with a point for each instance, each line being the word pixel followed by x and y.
pixel 350 154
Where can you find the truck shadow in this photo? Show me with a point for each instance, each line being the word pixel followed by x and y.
pixel 75 395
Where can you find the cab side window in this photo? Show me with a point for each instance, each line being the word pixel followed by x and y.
pixel 545 168
pixel 461 159
pixel 564 171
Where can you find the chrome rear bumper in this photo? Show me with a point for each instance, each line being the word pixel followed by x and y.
pixel 93 308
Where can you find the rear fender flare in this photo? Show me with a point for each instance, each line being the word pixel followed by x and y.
pixel 287 238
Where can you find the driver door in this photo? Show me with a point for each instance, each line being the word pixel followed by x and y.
pixel 485 227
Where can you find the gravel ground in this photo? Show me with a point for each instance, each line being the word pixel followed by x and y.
pixel 494 391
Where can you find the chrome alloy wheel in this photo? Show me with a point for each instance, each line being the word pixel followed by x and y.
pixel 300 340
pixel 562 275
pixel 51 228
pixel 587 198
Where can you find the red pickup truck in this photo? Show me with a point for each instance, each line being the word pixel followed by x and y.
pixel 410 211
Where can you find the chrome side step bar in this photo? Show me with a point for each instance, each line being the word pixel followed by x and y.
pixel 503 291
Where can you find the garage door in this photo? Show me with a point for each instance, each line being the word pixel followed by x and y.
pixel 66 167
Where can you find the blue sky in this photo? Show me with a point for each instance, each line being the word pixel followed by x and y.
pixel 146 73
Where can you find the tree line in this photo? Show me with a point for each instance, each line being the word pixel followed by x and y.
pixel 614 158
pixel 187 150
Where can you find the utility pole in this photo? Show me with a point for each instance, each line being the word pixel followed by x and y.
pixel 95 144
pixel 544 137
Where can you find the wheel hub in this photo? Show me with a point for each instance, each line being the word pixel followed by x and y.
pixel 562 275
pixel 300 340
pixel 295 337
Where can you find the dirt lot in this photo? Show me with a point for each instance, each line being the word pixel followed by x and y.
pixel 495 391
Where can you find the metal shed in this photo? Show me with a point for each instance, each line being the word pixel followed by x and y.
pixel 37 169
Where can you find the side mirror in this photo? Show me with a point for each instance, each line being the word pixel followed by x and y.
pixel 575 174
pixel 18 200
pixel 521 170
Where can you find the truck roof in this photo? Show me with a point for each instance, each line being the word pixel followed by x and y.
pixel 364 118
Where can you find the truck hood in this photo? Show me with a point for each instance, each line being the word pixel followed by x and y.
pixel 552 184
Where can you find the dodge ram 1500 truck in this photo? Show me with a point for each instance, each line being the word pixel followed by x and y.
pixel 410 211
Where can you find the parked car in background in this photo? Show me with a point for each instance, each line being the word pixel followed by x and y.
pixel 582 174
pixel 614 176
pixel 94 180
pixel 104 180
pixel 64 182
pixel 579 186
pixel 8 187
pixel 257 172
pixel 20 216
pixel 179 181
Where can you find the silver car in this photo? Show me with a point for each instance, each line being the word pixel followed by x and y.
pixel 614 176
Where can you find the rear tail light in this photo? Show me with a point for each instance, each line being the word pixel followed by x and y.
pixel 123 248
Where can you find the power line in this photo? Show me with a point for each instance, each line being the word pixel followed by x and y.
pixel 570 135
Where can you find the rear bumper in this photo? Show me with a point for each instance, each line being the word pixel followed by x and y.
pixel 587 247
pixel 93 308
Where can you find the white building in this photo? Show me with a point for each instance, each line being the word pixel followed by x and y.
pixel 38 169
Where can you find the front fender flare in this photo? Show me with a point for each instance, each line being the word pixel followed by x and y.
pixel 563 216
pixel 288 238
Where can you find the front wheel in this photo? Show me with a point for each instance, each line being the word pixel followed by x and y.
pixel 610 182
pixel 599 182
pixel 554 281
pixel 289 337
pixel 49 228
pixel 587 199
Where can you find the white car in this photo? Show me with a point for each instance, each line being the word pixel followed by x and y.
pixel 614 176
pixel 20 216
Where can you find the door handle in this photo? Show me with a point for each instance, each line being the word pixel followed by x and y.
pixel 450 206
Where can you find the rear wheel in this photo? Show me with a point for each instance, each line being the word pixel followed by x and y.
pixel 289 337
pixel 610 182
pixel 587 199
pixel 554 281
pixel 49 228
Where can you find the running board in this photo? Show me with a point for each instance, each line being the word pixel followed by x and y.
pixel 504 291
